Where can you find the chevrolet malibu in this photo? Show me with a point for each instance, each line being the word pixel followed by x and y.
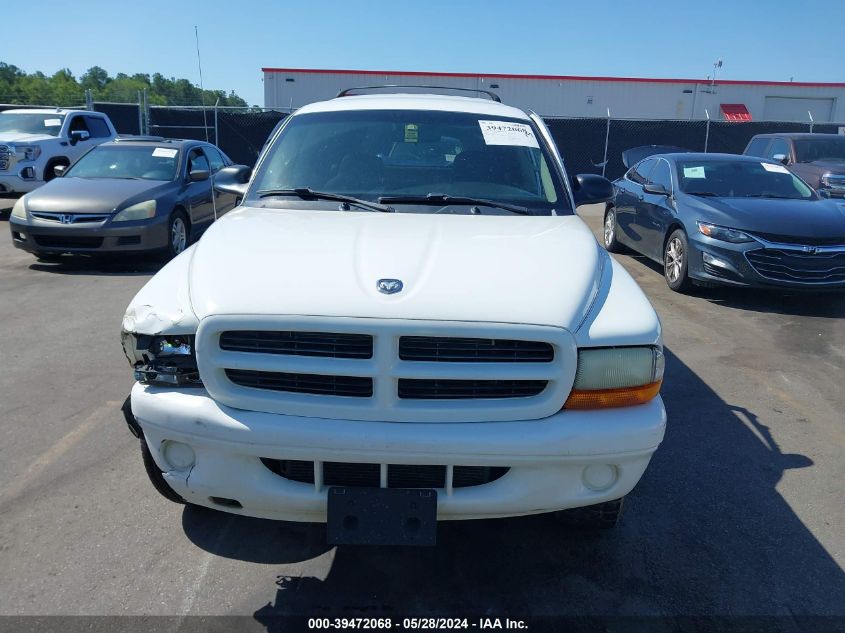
pixel 129 195
pixel 404 322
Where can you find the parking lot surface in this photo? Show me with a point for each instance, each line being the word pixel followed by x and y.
pixel 740 513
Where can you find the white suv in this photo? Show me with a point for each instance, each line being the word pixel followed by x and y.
pixel 34 142
pixel 404 322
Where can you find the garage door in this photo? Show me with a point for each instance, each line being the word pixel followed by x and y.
pixel 795 109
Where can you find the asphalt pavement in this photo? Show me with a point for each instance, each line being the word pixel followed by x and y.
pixel 740 513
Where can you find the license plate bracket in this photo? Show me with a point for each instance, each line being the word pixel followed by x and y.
pixel 381 516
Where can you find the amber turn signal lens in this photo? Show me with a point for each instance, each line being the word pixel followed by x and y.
pixel 609 398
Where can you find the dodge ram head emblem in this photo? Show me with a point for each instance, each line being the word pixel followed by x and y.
pixel 389 286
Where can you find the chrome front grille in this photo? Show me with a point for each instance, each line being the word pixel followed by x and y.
pixel 386 369
pixel 807 265
pixel 5 157
pixel 70 218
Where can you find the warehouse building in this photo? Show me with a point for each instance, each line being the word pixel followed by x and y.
pixel 570 96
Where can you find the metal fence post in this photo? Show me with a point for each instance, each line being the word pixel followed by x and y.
pixel 810 114
pixel 146 130
pixel 216 138
pixel 606 143
pixel 140 115
pixel 707 130
pixel 89 100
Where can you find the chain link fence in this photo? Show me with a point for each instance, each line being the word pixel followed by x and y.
pixel 588 145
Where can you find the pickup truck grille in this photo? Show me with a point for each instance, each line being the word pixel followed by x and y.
pixel 800 266
pixel 473 350
pixel 5 157
pixel 398 475
pixel 465 389
pixel 322 344
pixel 386 370
pixel 352 386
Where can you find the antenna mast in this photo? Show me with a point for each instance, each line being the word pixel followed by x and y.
pixel 202 89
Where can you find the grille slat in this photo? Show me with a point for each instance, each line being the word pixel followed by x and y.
pixel 398 475
pixel 319 344
pixel 473 350
pixel 434 389
pixel 318 384
pixel 797 266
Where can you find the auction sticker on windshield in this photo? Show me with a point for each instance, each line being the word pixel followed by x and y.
pixel 694 172
pixel 507 133
pixel 52 122
pixel 778 169
pixel 164 152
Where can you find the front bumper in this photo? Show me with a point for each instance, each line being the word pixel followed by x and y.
pixel 547 458
pixel 38 236
pixel 14 186
pixel 718 262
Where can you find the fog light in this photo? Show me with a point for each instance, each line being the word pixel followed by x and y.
pixel 715 261
pixel 600 476
pixel 28 173
pixel 178 456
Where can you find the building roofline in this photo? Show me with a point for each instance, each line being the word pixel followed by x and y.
pixel 417 73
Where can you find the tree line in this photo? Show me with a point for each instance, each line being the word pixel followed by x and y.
pixel 63 89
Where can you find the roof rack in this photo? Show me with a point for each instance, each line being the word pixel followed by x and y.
pixel 346 93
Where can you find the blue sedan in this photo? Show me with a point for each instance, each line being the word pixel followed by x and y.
pixel 726 219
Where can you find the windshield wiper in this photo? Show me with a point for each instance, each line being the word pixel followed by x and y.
pixel 305 192
pixel 708 194
pixel 443 199
pixel 770 195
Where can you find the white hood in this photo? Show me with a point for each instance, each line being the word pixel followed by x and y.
pixel 506 269
pixel 21 137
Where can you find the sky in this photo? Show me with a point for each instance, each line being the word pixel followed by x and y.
pixel 776 40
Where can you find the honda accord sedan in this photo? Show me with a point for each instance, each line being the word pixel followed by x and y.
pixel 728 220
pixel 129 195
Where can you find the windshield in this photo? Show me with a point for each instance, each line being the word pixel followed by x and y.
pixel 31 123
pixel 127 161
pixel 374 154
pixel 808 150
pixel 740 179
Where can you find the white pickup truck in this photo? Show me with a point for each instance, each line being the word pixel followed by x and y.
pixel 405 321
pixel 33 142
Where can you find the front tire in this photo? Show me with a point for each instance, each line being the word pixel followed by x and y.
pixel 676 262
pixel 601 516
pixel 178 234
pixel 611 243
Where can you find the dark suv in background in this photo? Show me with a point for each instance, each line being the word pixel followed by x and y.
pixel 818 159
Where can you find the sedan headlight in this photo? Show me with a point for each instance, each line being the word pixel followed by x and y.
pixel 27 152
pixel 141 211
pixel 616 377
pixel 19 210
pixel 723 233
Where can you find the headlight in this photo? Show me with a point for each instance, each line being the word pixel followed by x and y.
pixel 162 360
pixel 19 210
pixel 141 211
pixel 723 233
pixel 27 152
pixel 616 377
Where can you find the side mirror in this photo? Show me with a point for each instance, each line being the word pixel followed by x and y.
pixel 198 175
pixel 656 189
pixel 78 135
pixel 591 189
pixel 781 158
pixel 59 170
pixel 233 180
